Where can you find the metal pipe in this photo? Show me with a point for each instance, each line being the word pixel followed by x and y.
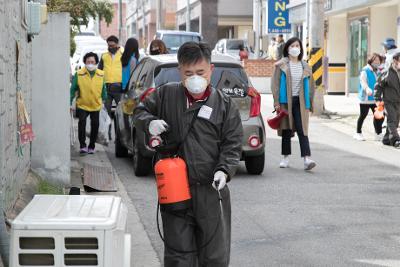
pixel 4 238
pixel 188 15
pixel 120 20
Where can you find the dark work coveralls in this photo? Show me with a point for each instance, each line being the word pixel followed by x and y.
pixel 387 89
pixel 214 143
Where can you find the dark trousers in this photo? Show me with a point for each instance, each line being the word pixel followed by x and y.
pixel 364 109
pixel 203 224
pixel 94 127
pixel 287 134
pixel 393 117
pixel 114 92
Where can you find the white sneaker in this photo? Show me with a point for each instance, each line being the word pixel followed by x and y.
pixel 284 162
pixel 359 137
pixel 309 164
pixel 379 137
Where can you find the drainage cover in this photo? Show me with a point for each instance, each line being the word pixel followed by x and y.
pixel 98 179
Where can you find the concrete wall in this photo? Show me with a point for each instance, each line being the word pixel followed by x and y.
pixel 13 168
pixel 337 44
pixel 50 100
pixel 235 7
pixel 380 16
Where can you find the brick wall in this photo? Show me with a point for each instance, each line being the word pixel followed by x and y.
pixel 13 168
pixel 112 29
pixel 259 67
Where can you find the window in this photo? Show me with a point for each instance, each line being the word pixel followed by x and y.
pixel 135 75
pixel 234 44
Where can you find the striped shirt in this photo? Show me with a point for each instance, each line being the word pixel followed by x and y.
pixel 296 72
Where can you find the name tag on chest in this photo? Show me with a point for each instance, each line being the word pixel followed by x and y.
pixel 205 112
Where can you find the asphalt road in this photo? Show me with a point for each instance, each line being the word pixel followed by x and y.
pixel 344 213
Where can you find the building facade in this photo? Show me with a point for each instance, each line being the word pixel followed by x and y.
pixel 113 28
pixel 145 16
pixel 353 31
pixel 234 18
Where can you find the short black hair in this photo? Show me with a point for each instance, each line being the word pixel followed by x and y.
pixel 112 38
pixel 192 52
pixel 91 54
pixel 289 43
pixel 280 35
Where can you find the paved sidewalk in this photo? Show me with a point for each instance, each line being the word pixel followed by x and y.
pixel 142 252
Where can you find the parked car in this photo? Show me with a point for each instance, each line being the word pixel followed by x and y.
pixel 174 39
pixel 154 71
pixel 230 47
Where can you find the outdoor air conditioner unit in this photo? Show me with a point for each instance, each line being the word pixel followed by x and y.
pixel 34 18
pixel 67 230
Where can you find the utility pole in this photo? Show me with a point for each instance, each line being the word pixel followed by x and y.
pixel 120 20
pixel 144 24
pixel 188 15
pixel 256 26
pixel 158 15
pixel 317 51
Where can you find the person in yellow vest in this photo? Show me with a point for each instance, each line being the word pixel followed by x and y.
pixel 111 64
pixel 89 88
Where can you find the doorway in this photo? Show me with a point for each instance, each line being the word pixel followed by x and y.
pixel 358 52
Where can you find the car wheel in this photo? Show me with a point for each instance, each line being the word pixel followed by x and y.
pixel 255 165
pixel 120 150
pixel 141 164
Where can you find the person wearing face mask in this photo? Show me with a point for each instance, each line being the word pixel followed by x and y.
pixel 368 78
pixel 207 125
pixel 111 64
pixel 89 88
pixel 387 90
pixel 158 47
pixel 293 90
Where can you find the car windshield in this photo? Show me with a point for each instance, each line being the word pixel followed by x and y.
pixel 174 41
pixel 231 80
pixel 234 44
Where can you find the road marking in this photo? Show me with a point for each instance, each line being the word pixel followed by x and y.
pixel 386 263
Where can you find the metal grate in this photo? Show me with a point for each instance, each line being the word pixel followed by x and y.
pixel 98 178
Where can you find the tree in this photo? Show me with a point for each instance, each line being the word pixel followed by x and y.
pixel 81 12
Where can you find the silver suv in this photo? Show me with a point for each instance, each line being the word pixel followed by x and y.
pixel 228 76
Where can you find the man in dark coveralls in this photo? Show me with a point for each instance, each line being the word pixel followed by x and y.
pixel 211 150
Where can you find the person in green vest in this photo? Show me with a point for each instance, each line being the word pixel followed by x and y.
pixel 89 88
pixel 111 64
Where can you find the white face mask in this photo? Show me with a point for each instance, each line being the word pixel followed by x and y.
pixel 196 84
pixel 91 67
pixel 294 51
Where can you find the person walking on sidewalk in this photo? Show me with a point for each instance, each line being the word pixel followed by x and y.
pixel 111 64
pixel 388 90
pixel 208 127
pixel 368 78
pixel 390 48
pixel 280 47
pixel 293 90
pixel 89 88
pixel 129 60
